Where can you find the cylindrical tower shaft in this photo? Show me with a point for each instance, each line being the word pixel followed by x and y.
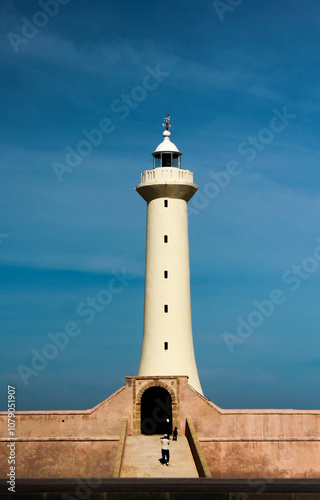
pixel 167 336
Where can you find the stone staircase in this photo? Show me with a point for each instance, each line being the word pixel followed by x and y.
pixel 142 453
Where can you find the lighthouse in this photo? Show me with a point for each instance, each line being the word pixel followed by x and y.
pixel 167 347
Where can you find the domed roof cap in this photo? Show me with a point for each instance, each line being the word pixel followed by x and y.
pixel 166 146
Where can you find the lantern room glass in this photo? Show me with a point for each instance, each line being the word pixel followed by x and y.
pixel 167 160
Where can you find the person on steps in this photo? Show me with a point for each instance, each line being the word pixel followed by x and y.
pixel 165 449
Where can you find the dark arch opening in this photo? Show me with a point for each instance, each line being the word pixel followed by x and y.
pixel 156 408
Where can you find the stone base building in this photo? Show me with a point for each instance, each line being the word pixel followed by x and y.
pixel 224 443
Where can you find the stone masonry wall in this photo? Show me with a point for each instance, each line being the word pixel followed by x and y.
pixel 236 443
pixel 254 443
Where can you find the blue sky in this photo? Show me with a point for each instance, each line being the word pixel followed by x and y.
pixel 242 82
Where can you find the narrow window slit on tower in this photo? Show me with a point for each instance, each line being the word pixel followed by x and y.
pixel 166 346
pixel 166 308
pixel 165 238
pixel 166 203
pixel 166 274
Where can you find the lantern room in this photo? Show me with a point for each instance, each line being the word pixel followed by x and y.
pixel 167 153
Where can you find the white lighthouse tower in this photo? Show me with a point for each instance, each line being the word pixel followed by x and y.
pixel 167 347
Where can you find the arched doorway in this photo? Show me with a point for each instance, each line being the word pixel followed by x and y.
pixel 156 408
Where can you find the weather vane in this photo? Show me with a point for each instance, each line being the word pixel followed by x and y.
pixel 167 120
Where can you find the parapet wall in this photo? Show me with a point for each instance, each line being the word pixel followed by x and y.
pixel 255 443
pixel 57 444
